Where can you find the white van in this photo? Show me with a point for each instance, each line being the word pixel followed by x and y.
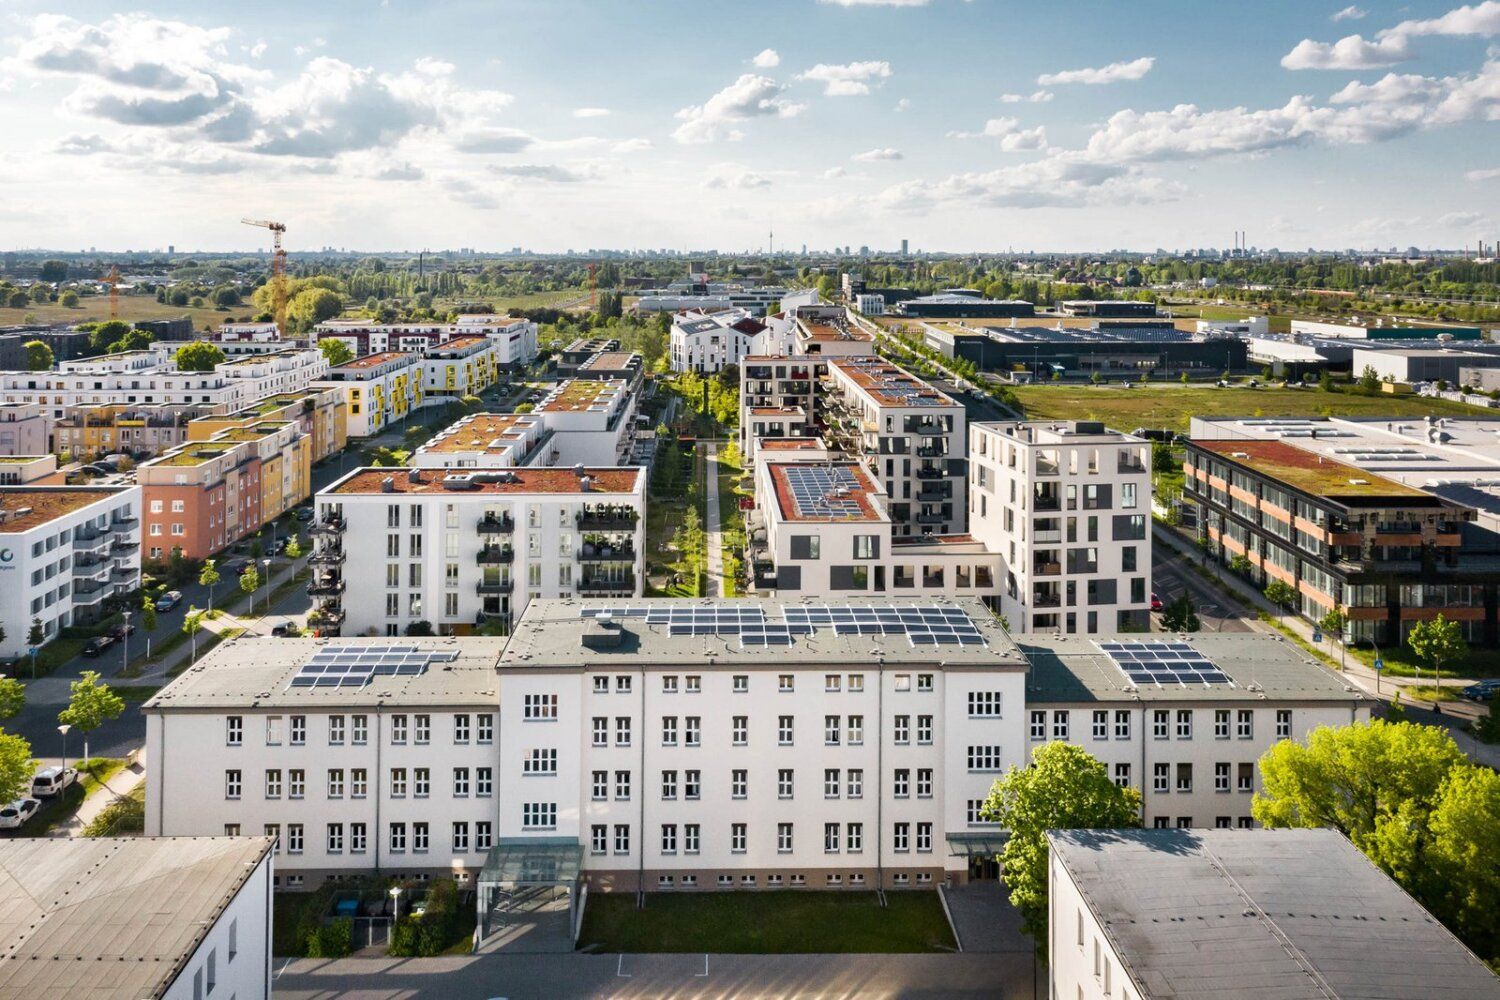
pixel 50 781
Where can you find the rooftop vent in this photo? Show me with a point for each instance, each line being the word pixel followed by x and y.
pixel 603 633
pixel 1359 482
pixel 388 485
pixel 460 481
pixel 413 475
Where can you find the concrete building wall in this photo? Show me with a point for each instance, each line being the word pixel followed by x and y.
pixel 235 955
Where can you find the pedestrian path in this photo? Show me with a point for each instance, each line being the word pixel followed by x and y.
pixel 715 537
pixel 118 786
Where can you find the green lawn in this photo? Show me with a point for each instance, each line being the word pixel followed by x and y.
pixel 765 923
pixel 133 308
pixel 92 774
pixel 1399 662
pixel 1171 406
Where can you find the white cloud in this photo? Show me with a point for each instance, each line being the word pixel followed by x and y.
pixel 400 172
pixel 1475 176
pixel 1350 52
pixel 877 155
pixel 590 112
pixel 257 50
pixel 631 146
pixel 751 96
pixel 538 172
pixel 732 176
pixel 1113 73
pixel 1349 13
pixel 1463 220
pixel 492 140
pixel 903 105
pixel 84 145
pixel 848 79
pixel 1058 181
pixel 833 173
pixel 767 59
pixel 1481 19
pixel 1035 97
pixel 1012 137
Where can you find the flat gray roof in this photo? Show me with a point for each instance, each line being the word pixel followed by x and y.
pixel 1071 669
pixel 1268 914
pixel 113 916
pixel 258 671
pixel 551 634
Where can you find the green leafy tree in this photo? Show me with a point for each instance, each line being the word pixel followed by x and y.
pixel 1179 616
pixel 249 580
pixel 148 619
pixel 1369 381
pixel 1333 621
pixel 1462 858
pixel 1281 594
pixel 1240 564
pixel 1438 641
pixel 311 306
pixel 16 766
pixel 199 356
pixel 208 576
pixel 336 352
pixel 40 294
pixel 294 548
pixel 101 336
pixel 91 704
pixel 12 698
pixel 38 356
pixel 53 270
pixel 1064 788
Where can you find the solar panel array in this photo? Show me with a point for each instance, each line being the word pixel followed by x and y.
pixel 1163 663
pixel 922 624
pixel 356 666
pixel 815 490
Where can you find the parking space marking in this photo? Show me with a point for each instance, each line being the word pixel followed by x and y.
pixel 620 968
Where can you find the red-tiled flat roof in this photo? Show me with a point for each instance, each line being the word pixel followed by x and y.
pixel 372 360
pixel 777 411
pixel 46 504
pixel 605 481
pixel 860 495
pixel 1308 471
pixel 790 444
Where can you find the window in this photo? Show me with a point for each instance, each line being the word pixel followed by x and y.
pixel 669 838
pixel 669 730
pixel 1244 724
pixel 601 731
pixel 598 838
pixel 1184 822
pixel 335 730
pixel 783 838
pixel 1245 822
pixel 1184 777
pixel 924 837
pixel 484 781
pixel 1221 723
pixel 538 707
pixel 784 783
pixel 691 783
pixel 294 838
pixel 741 683
pixel 1160 777
pixel 273 783
pixel 419 838
pixel 232 783
pixel 785 683
pixel 398 782
pixel 1060 724
pixel 538 815
pixel 740 730
pixel 335 782
pixel 831 682
pixel 984 704
pixel 692 731
pixel 1160 719
pixel 398 838
pixel 484 835
pixel 854 837
pixel 690 838
pixel 830 838
pixel 784 730
pixel 359 730
pixel 600 786
pixel 984 758
pixel 901 729
pixel 1221 777
pixel 669 684
pixel 902 682
pixel 1184 723
pixel 1101 725
pixel 831 783
pixel 485 728
pixel 901 783
pixel 738 781
pixel 540 761
pixel 421 782
pixel 299 730
pixel 1283 723
pixel 296 783
pixel 924 682
pixel 1245 779
pixel 622 838
pixel 974 812
pixel 856 733
pixel 234 731
pixel 1122 775
pixel 669 784
pixel 1038 725
pixel 461 728
pixel 831 730
pixel 335 838
pixel 854 785
pixel 622 786
pixel 622 730
pixel 398 729
pixel 694 684
pixel 601 684
pixel 460 836
pixel 421 728
pixel 1122 724
pixel 901 837
pixel 460 782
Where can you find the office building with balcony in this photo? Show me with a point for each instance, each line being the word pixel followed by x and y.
pixel 64 551
pixel 461 548
pixel 1066 505
pixel 910 435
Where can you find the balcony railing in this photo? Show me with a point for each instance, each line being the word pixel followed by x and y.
pixel 1046 601
pixel 328 555
pixel 931 451
pixel 88 541
pixel 607 553
pixel 931 494
pixel 124 523
pixel 121 546
pixel 931 518
pixel 124 572
pixel 608 519
pixel 927 472
pixel 604 585
pixel 1046 502
pixel 495 555
pixel 1046 569
pixel 1046 537
pixel 495 587
pixel 496 525
pixel 326 587
pixel 330 524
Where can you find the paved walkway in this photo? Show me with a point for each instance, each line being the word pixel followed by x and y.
pixel 116 787
pixel 985 920
pixel 715 538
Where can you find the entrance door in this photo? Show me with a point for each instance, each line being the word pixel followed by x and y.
pixel 983 869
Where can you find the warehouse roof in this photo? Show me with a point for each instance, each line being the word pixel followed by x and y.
pixel 1269 914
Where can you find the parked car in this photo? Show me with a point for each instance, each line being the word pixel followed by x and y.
pixel 278 546
pixel 122 630
pixel 169 600
pixel 1483 690
pixel 98 644
pixel 1156 603
pixel 285 630
pixel 18 812
pixel 50 781
pixel 234 567
pixel 304 513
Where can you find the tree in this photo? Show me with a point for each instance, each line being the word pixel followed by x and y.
pixel 199 356
pixel 12 698
pixel 249 580
pixel 1438 641
pixel 208 576
pixel 90 706
pixel 16 766
pixel 1281 594
pixel 311 306
pixel 148 620
pixel 335 351
pixel 1369 381
pixel 40 294
pixel 68 299
pixel 53 270
pixel 419 628
pixel 101 336
pixel 1162 459
pixel 1240 564
pixel 226 296
pixel 294 548
pixel 1332 623
pixel 38 356
pixel 1178 616
pixel 1463 858
pixel 1064 788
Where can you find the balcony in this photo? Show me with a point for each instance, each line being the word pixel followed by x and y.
pixel 1045 600
pixel 493 588
pixel 120 547
pixel 931 518
pixel 935 493
pixel 328 555
pixel 1047 468
pixel 122 573
pixel 608 519
pixel 124 524
pixel 84 595
pixel 328 586
pixel 1046 569
pixel 89 541
pixel 931 451
pixel 330 524
pixel 606 553
pixel 607 585
pixel 96 569
pixel 1049 537
pixel 763 575
pixel 495 555
pixel 927 472
pixel 326 618
pixel 491 525
pixel 1046 502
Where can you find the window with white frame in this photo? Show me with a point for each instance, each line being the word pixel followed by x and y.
pixel 1038 724
pixel 1160 723
pixel 1244 724
pixel 1101 724
pixel 539 707
pixel 1221 723
pixel 1122 724
pixel 1161 776
pixel 739 783
pixel 539 815
pixel 830 838
pixel 1184 723
pixel 1060 724
pixel 784 838
pixel 540 760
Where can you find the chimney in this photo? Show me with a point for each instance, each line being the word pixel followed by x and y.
pixel 585 484
pixel 413 475
pixel 578 470
pixel 388 485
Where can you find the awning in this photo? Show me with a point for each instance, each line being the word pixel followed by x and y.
pixel 532 861
pixel 969 844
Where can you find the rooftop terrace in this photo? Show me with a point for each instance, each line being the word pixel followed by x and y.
pixel 491 482
pixel 1309 472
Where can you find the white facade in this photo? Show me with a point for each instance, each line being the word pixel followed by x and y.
pixel 462 548
pixel 379 389
pixel 25 429
pixel 235 952
pixel 63 551
pixel 708 342
pixel 592 421
pixel 1067 507
pixel 870 305
pixel 487 441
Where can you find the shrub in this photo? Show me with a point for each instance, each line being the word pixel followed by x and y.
pixel 433 931
pixel 331 940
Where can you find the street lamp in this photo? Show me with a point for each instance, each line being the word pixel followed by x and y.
pixel 395 903
pixel 125 642
pixel 64 730
pixel 267 564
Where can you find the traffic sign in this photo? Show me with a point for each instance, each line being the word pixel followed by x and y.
pixel 1379 663
pixel 1317 635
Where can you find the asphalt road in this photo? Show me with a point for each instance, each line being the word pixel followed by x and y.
pixel 1171 577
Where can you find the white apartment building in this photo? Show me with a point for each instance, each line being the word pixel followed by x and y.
pixel 910 435
pixel 822 528
pixel 782 385
pixel 179 918
pixel 514 339
pixel 25 429
pixel 1184 719
pixel 488 441
pixel 23 470
pixel 379 389
pixel 459 548
pixel 1067 507
pixel 63 551
pixel 388 762
pixel 462 366
pixel 592 421
pixel 748 744
pixel 706 342
pixel 755 301
pixel 830 331
pixel 1137 914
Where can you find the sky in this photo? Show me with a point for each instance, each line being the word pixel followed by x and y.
pixel 637 124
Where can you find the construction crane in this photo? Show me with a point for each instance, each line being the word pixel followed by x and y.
pixel 278 269
pixel 112 279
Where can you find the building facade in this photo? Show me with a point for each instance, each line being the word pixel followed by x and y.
pixel 379 390
pixel 25 429
pixel 708 342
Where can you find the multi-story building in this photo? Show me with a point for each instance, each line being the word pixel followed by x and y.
pixel 824 529
pixel 379 389
pixel 580 350
pixel 111 428
pixel 1067 507
pixel 614 366
pixel 910 434
pixel 830 331
pixel 592 421
pixel 1182 719
pixel 488 441
pixel 514 339
pixel 29 470
pixel 776 383
pixel 25 429
pixel 460 548
pixel 319 413
pixel 709 298
pixel 64 550
pixel 1135 914
pixel 707 342
pixel 461 366
pixel 394 769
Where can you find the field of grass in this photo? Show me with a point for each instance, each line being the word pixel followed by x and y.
pixel 132 308
pixel 1170 406
pixel 766 923
pixel 536 300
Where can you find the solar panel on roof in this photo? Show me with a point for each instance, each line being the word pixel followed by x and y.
pixel 356 666
pixel 823 491
pixel 1163 663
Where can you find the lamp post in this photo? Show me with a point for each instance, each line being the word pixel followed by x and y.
pixel 267 564
pixel 64 730
pixel 125 642
pixel 395 903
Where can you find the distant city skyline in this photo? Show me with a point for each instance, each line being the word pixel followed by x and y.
pixel 954 124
